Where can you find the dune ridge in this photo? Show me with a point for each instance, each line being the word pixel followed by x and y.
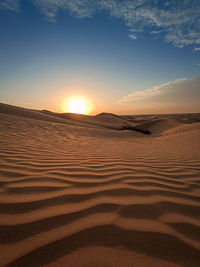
pixel 79 195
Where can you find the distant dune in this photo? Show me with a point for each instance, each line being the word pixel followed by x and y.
pixel 104 190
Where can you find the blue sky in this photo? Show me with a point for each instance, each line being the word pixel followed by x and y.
pixel 139 56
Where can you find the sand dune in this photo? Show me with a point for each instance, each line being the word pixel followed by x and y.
pixel 86 191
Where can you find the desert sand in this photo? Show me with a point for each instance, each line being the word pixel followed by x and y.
pixel 103 190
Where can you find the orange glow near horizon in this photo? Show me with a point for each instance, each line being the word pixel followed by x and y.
pixel 77 104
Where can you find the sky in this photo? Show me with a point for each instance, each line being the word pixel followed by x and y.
pixel 125 57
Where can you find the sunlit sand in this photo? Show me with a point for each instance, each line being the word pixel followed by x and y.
pixel 105 190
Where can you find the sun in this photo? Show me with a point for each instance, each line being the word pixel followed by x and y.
pixel 77 104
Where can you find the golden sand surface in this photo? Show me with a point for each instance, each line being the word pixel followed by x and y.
pixel 81 190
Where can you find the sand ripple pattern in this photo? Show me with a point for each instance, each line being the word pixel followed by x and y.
pixel 57 198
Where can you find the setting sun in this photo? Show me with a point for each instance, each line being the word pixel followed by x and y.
pixel 77 104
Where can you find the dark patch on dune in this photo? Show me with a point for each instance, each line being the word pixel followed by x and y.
pixel 136 129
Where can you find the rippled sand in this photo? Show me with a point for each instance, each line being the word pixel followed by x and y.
pixel 82 191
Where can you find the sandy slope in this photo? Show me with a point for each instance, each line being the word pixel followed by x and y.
pixel 77 195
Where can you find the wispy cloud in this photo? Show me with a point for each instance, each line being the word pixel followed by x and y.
pixel 10 5
pixel 152 93
pixel 181 92
pixel 177 20
pixel 197 49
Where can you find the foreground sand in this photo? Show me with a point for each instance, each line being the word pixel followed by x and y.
pixel 78 191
